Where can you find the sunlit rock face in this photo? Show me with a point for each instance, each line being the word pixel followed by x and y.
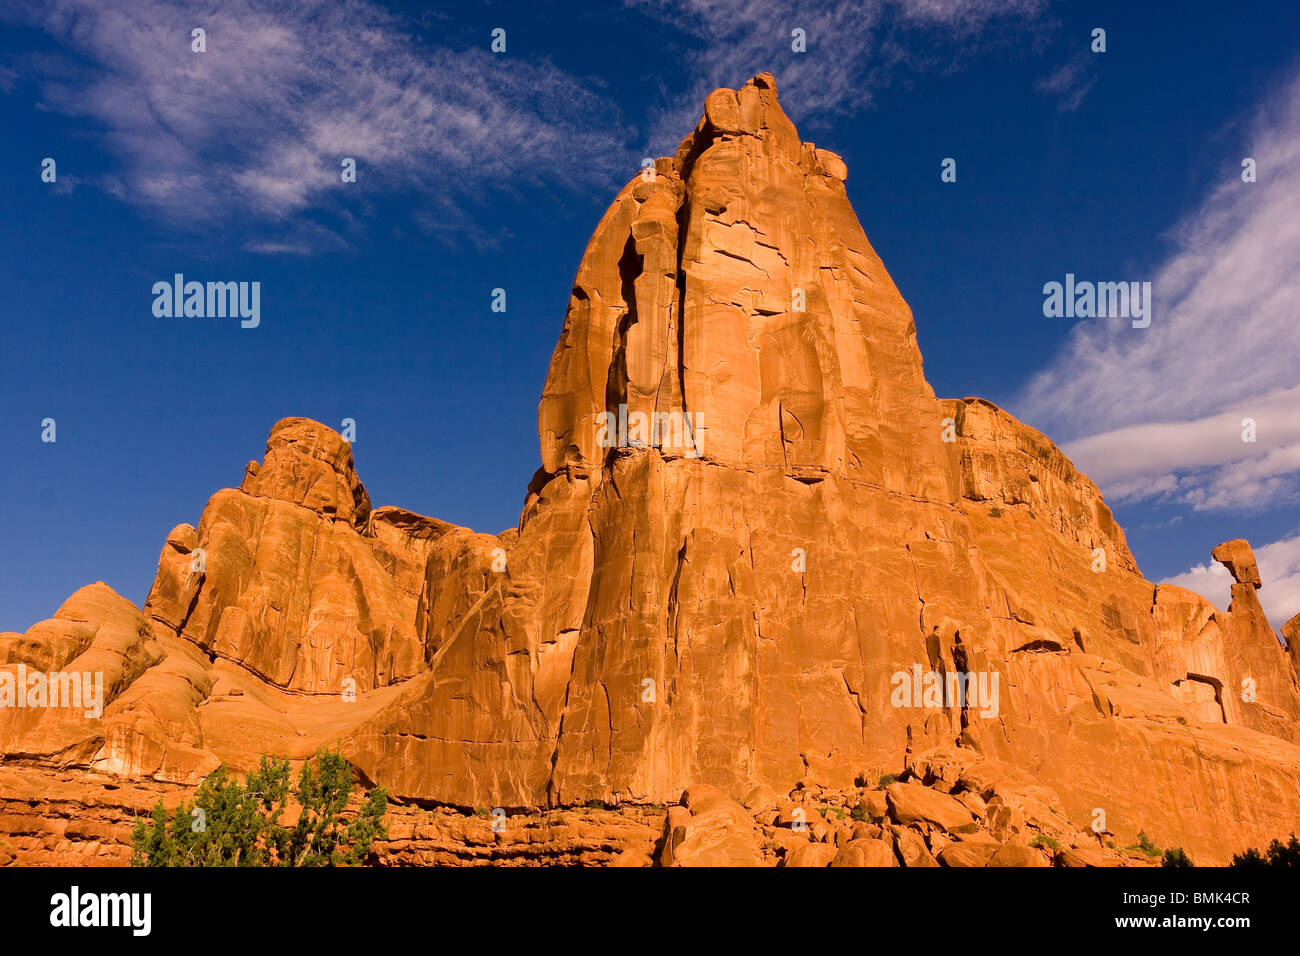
pixel 735 609
pixel 758 552
pixel 734 284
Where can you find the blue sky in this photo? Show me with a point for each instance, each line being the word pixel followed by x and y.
pixel 479 170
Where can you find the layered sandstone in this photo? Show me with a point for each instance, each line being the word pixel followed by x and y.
pixel 725 598
pixel 951 809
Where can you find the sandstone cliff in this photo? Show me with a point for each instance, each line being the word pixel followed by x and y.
pixel 752 516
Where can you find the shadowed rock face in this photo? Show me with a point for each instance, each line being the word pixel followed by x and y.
pixel 737 603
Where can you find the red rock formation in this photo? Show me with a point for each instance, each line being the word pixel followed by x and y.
pixel 754 530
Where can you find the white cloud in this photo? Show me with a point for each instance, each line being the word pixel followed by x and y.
pixel 1224 329
pixel 1203 462
pixel 854 48
pixel 1159 410
pixel 1279 569
pixel 257 126
pixel 254 129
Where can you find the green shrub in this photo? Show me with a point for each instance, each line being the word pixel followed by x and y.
pixel 234 824
pixel 1278 854
pixel 1043 841
pixel 1145 845
pixel 1176 857
pixel 886 780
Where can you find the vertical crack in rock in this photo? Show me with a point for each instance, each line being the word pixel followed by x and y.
pixel 857 700
pixel 683 228
pixel 785 443
pixel 673 608
pixel 609 715
pixel 961 665
pixel 630 267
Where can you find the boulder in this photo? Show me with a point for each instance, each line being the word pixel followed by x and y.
pixel 709 829
pixel 1018 855
pixel 912 849
pixel 967 854
pixel 812 854
pixel 866 853
pixel 913 803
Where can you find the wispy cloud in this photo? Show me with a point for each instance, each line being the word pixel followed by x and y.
pixel 253 130
pixel 1158 411
pixel 1279 569
pixel 1246 457
pixel 258 124
pixel 1070 82
pixel 854 48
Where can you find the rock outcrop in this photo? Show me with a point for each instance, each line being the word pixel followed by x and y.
pixel 759 554
pixel 982 815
